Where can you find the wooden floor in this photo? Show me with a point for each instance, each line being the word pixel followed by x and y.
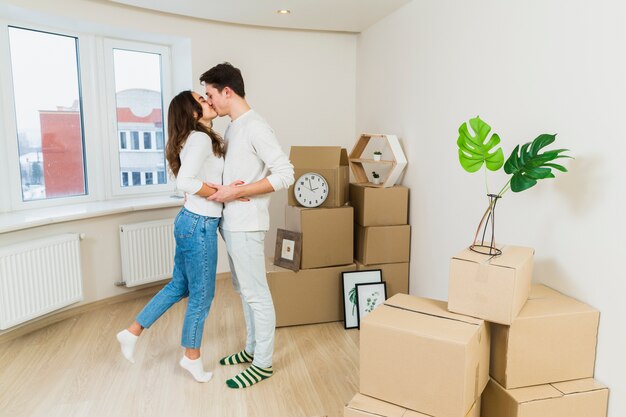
pixel 74 368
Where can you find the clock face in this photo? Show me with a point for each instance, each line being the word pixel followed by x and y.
pixel 310 190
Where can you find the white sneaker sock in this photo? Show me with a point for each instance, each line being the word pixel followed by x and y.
pixel 127 343
pixel 195 368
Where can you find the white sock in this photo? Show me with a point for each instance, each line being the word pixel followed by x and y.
pixel 127 343
pixel 195 368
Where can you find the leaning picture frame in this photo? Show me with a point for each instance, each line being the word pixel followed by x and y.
pixel 349 281
pixel 288 249
pixel 368 297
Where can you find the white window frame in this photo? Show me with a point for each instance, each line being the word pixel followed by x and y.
pixel 89 125
pixel 151 141
pixel 116 189
pixel 145 176
pixel 127 176
pixel 126 137
pixel 156 140
pixel 102 180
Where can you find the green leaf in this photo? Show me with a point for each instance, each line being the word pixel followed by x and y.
pixel 352 297
pixel 475 150
pixel 528 166
pixel 520 183
pixel 540 142
pixel 557 166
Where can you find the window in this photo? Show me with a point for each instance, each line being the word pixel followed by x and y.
pixel 159 139
pixel 147 140
pixel 123 142
pixel 49 125
pixel 134 140
pixel 64 97
pixel 139 109
pixel 161 177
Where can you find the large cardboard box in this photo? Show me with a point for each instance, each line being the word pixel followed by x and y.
pixel 395 275
pixel 331 162
pixel 307 296
pixel 493 288
pixel 552 339
pixel 327 235
pixel 364 406
pixel 382 244
pixel 578 398
pixel 375 206
pixel 416 354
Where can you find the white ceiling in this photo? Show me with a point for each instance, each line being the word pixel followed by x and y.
pixel 333 15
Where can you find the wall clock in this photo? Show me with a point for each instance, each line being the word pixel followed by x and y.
pixel 311 189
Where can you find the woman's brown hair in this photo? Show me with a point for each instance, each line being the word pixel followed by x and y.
pixel 183 117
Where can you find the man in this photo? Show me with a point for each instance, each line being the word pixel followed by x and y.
pixel 251 150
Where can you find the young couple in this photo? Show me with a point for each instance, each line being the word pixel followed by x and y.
pixel 202 162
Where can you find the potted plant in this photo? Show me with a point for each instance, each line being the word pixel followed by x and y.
pixel 377 155
pixel 526 165
pixel 375 178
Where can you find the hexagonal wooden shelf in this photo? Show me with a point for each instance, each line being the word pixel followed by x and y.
pixel 363 163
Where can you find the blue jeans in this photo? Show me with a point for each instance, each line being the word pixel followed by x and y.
pixel 195 263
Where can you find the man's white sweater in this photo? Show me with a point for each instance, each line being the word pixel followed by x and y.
pixel 252 150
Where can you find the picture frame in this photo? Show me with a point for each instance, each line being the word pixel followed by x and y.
pixel 349 281
pixel 288 249
pixel 368 297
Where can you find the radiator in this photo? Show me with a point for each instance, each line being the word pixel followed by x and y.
pixel 147 251
pixel 38 277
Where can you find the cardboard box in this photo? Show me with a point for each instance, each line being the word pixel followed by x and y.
pixel 395 275
pixel 552 339
pixel 364 406
pixel 418 355
pixel 491 288
pixel 578 398
pixel 382 244
pixel 327 235
pixel 307 296
pixel 379 206
pixel 331 162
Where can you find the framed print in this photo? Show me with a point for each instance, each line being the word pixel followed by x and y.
pixel 368 297
pixel 288 249
pixel 349 281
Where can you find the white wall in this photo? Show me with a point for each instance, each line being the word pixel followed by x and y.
pixel 298 80
pixel 526 68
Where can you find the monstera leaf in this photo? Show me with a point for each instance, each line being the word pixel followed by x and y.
pixel 528 166
pixel 473 151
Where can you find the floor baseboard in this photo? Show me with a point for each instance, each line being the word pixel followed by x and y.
pixel 47 320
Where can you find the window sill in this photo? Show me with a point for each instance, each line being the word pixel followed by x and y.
pixel 25 219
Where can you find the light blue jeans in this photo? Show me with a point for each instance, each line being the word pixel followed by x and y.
pixel 247 265
pixel 195 263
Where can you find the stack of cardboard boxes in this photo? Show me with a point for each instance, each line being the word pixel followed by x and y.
pixel 436 359
pixel 543 343
pixel 314 294
pixel 382 235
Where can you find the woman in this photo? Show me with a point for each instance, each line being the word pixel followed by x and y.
pixel 195 154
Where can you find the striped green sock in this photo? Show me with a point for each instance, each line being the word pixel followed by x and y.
pixel 241 357
pixel 249 377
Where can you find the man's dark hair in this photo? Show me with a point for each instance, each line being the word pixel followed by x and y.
pixel 225 75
